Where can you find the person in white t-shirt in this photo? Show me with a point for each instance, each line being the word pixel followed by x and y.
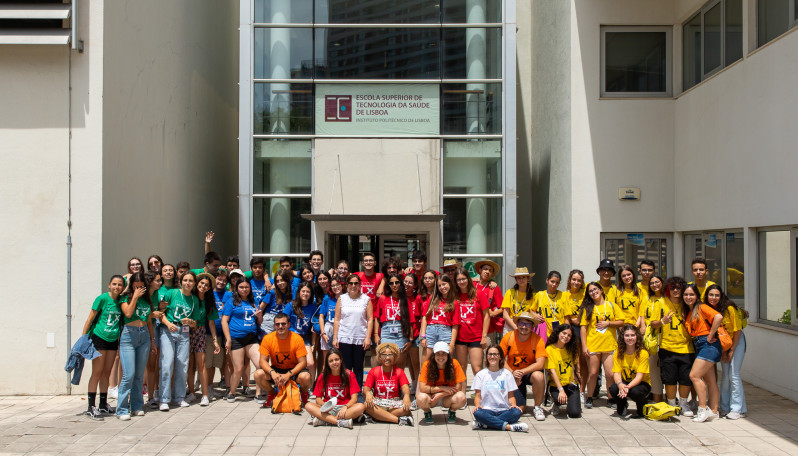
pixel 494 403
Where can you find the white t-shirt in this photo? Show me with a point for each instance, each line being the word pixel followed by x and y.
pixel 495 388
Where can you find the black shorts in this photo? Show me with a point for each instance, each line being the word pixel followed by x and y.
pixel 102 344
pixel 242 342
pixel 675 367
pixel 283 371
pixel 476 344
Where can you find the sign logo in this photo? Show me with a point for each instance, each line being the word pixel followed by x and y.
pixel 338 108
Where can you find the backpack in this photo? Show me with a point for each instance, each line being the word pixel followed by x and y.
pixel 660 411
pixel 288 399
pixel 651 339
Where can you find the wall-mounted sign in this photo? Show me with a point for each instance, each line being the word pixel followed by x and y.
pixel 629 193
pixel 377 109
pixel 636 239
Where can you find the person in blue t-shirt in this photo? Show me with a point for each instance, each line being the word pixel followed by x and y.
pixel 327 315
pixel 260 280
pixel 241 317
pixel 275 302
pixel 219 360
pixel 300 315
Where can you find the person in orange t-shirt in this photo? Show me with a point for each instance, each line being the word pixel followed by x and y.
pixel 282 358
pixel 526 359
pixel 441 380
pixel 703 322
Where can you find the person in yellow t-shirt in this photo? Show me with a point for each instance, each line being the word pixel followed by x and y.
pixel 676 353
pixel 630 370
pixel 606 271
pixel 551 303
pixel 563 350
pixel 629 298
pixel 647 270
pixel 518 299
pixel 649 314
pixel 700 273
pixel 599 322
pixel 732 396
pixel 574 295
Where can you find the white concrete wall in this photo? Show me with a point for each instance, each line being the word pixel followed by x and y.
pixel 34 146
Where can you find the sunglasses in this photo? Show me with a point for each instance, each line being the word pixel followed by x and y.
pixel 354 283
pixel 393 283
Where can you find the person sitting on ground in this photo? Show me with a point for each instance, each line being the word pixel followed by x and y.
pixel 383 387
pixel 282 358
pixel 443 381
pixel 526 359
pixel 494 403
pixel 336 394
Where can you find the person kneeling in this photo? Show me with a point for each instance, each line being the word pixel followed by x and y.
pixel 494 401
pixel 382 388
pixel 335 385
pixel 282 358
pixel 443 381
pixel 631 371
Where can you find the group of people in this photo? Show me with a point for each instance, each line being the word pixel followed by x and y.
pixel 314 327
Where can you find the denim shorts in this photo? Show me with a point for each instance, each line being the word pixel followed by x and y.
pixel 438 333
pixel 391 331
pixel 706 351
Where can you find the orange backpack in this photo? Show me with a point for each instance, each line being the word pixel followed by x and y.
pixel 288 399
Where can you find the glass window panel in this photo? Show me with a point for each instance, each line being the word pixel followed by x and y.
pixel 624 251
pixel 470 11
pixel 471 108
pixel 735 267
pixel 273 264
pixel 692 249
pixel 282 166
pixel 472 225
pixel 472 53
pixel 635 61
pixel 775 281
pixel 472 167
pixel 283 53
pixel 378 53
pixel 278 226
pixel 773 19
pixel 377 11
pixel 712 39
pixel 283 108
pixel 713 253
pixel 734 31
pixel 691 47
pixel 284 11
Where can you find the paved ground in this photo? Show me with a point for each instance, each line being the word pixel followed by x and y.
pixel 55 425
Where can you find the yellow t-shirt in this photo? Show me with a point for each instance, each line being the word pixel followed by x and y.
pixel 630 365
pixel 515 306
pixel 703 290
pixel 649 307
pixel 732 321
pixel 552 308
pixel 675 336
pixel 574 301
pixel 611 294
pixel 643 290
pixel 628 307
pixel 600 341
pixel 562 361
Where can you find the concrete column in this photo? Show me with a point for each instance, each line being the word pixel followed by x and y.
pixel 280 68
pixel 476 64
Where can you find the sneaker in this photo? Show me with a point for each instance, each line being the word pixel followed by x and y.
pixel 95 414
pixel 249 392
pixel 733 416
pixel 686 410
pixel 329 405
pixel 703 414
pixel 589 402
pixel 190 398
pixel 270 399
pixel 612 404
pixel 260 399
pixel 476 425
pixel 538 413
pixel 345 424
pixel 164 407
pixel 555 409
pixel 451 418
pixel 317 422
pixel 231 397
pixel 144 390
pixel 413 406
pixel 138 413
pixel 204 402
pixel 671 402
pixel 123 417
pixel 113 393
pixel 713 416
pixel 428 418
pixel 405 421
pixel 582 398
pixel 520 427
pixel 303 397
pixel 105 408
pixel 154 402
pixel 184 404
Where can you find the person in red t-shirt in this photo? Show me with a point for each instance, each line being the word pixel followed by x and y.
pixel 418 265
pixel 336 394
pixel 441 380
pixel 485 284
pixel 415 305
pixel 387 390
pixel 441 320
pixel 393 318
pixel 474 322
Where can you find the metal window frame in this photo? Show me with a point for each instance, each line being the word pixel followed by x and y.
pixel 668 30
pixel 793 231
pixel 669 251
pixel 792 20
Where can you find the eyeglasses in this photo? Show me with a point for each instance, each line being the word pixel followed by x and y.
pixel 387 355
pixel 523 324
pixel 335 285
pixel 493 355
pixel 393 283
pixel 281 324
pixel 368 261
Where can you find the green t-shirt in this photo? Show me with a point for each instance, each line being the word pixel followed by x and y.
pixel 198 271
pixel 142 311
pixel 203 316
pixel 180 306
pixel 107 327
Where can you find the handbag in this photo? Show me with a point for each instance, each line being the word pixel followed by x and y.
pixel 723 336
pixel 652 339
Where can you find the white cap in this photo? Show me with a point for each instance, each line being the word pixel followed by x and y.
pixel 440 346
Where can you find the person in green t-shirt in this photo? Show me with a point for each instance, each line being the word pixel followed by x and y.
pixel 201 340
pixel 103 327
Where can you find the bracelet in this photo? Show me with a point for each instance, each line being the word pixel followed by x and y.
pixel 423 336
pixel 561 388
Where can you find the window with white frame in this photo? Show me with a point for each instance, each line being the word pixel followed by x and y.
pixel 632 248
pixel 777 256
pixel 635 61
pixel 724 253
pixel 711 40
pixel 774 18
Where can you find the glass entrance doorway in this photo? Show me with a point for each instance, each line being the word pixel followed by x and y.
pixel 350 247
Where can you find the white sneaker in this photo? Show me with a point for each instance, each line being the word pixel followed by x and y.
pixel 713 416
pixel 538 413
pixel 204 402
pixel 733 416
pixel 671 402
pixel 138 413
pixel 476 425
pixel 123 417
pixel 582 399
pixel 317 422
pixel 520 427
pixel 164 407
pixel 184 404
pixel 703 414
pixel 190 398
pixel 405 421
pixel 327 406
pixel 413 406
pixel 685 406
pixel 113 393
pixel 345 424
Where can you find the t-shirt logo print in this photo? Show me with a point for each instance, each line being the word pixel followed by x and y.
pixel 113 318
pixel 182 312
pixel 564 366
pixel 439 314
pixel 386 388
pixel 466 311
pixel 518 359
pixel 392 312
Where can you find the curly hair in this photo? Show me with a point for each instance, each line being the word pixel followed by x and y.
pixel 620 352
pixel 433 371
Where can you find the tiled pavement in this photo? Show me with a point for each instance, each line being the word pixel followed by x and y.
pixel 55 425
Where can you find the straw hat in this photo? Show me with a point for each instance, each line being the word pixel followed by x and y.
pixel 522 272
pixel 451 264
pixel 524 316
pixel 492 264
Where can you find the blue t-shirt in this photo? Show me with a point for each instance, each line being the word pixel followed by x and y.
pixel 301 326
pixel 242 318
pixel 295 284
pixel 258 288
pixel 327 309
pixel 220 296
pixel 270 300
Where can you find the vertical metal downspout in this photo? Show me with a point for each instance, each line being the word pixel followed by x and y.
pixel 69 212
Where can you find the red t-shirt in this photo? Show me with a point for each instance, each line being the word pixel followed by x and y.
pixel 370 284
pixel 336 389
pixel 386 386
pixel 440 317
pixel 387 309
pixel 471 319
pixel 494 298
pixel 416 307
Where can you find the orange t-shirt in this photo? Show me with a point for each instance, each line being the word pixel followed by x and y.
pixel 519 354
pixel 700 327
pixel 459 375
pixel 283 353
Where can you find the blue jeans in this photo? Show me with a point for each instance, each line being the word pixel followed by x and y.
pixel 134 351
pixel 387 335
pixel 494 419
pixel 175 350
pixel 438 333
pixel 732 396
